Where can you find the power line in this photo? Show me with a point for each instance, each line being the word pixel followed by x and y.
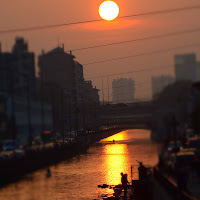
pixel 163 11
pixel 141 83
pixel 126 85
pixel 140 39
pixel 143 54
pixel 129 72
pixel 121 94
pixel 34 28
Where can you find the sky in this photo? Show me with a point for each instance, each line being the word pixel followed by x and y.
pixel 23 13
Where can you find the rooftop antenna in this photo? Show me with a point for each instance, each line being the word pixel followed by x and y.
pixel 58 40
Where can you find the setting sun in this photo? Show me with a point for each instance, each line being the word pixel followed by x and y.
pixel 108 10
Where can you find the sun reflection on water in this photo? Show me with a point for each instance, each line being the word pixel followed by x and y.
pixel 117 137
pixel 115 162
pixel 78 178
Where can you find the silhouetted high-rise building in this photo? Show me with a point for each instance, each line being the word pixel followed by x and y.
pixel 18 70
pixel 57 83
pixel 158 83
pixel 22 112
pixel 123 90
pixel 64 75
pixel 198 72
pixel 185 67
pixel 59 67
pixel 6 72
pixel 90 104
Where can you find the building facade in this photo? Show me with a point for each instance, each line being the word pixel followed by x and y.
pixel 60 70
pixel 21 120
pixel 185 67
pixel 21 113
pixel 123 90
pixel 18 70
pixel 198 72
pixel 90 106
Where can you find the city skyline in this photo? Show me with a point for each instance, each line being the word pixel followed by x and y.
pixel 99 33
pixel 99 99
pixel 123 90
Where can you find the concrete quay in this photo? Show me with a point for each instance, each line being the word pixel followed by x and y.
pixel 165 187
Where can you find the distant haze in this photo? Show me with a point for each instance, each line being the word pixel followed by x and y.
pixel 23 13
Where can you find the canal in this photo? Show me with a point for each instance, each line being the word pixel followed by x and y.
pixel 78 178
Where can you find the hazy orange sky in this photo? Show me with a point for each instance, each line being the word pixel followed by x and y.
pixel 23 13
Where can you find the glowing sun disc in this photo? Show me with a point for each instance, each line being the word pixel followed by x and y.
pixel 108 10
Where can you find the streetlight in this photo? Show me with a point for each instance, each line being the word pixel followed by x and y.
pixel 9 73
pixel 28 110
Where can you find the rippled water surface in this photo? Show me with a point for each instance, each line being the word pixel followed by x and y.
pixel 78 178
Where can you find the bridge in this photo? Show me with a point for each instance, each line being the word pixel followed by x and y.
pixel 133 115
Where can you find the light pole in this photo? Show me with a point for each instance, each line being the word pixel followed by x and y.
pixel 42 102
pixel 67 92
pixel 70 125
pixel 28 107
pixel 29 111
pixel 62 113
pixel 12 91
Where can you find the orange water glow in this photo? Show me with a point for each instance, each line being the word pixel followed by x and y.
pixel 117 137
pixel 115 158
pixel 115 163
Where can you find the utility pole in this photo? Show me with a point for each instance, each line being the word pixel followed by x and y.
pixel 67 93
pixel 108 89
pixel 83 113
pixel 53 110
pixel 70 125
pixel 42 100
pixel 62 113
pixel 13 120
pixel 12 93
pixel 29 112
pixel 102 91
pixel 86 113
pixel 77 112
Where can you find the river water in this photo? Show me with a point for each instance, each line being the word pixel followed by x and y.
pixel 78 178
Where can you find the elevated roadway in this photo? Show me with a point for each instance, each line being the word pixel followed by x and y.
pixel 135 115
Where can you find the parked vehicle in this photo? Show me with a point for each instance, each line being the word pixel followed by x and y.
pixel 37 140
pixel 8 145
pixel 174 146
pixel 185 158
pixel 193 142
pixel 189 133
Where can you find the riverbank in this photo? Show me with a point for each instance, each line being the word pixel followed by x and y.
pixel 13 169
pixel 166 187
pixel 78 178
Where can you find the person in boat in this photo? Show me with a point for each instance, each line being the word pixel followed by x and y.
pixel 142 171
pixel 48 172
pixel 124 182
